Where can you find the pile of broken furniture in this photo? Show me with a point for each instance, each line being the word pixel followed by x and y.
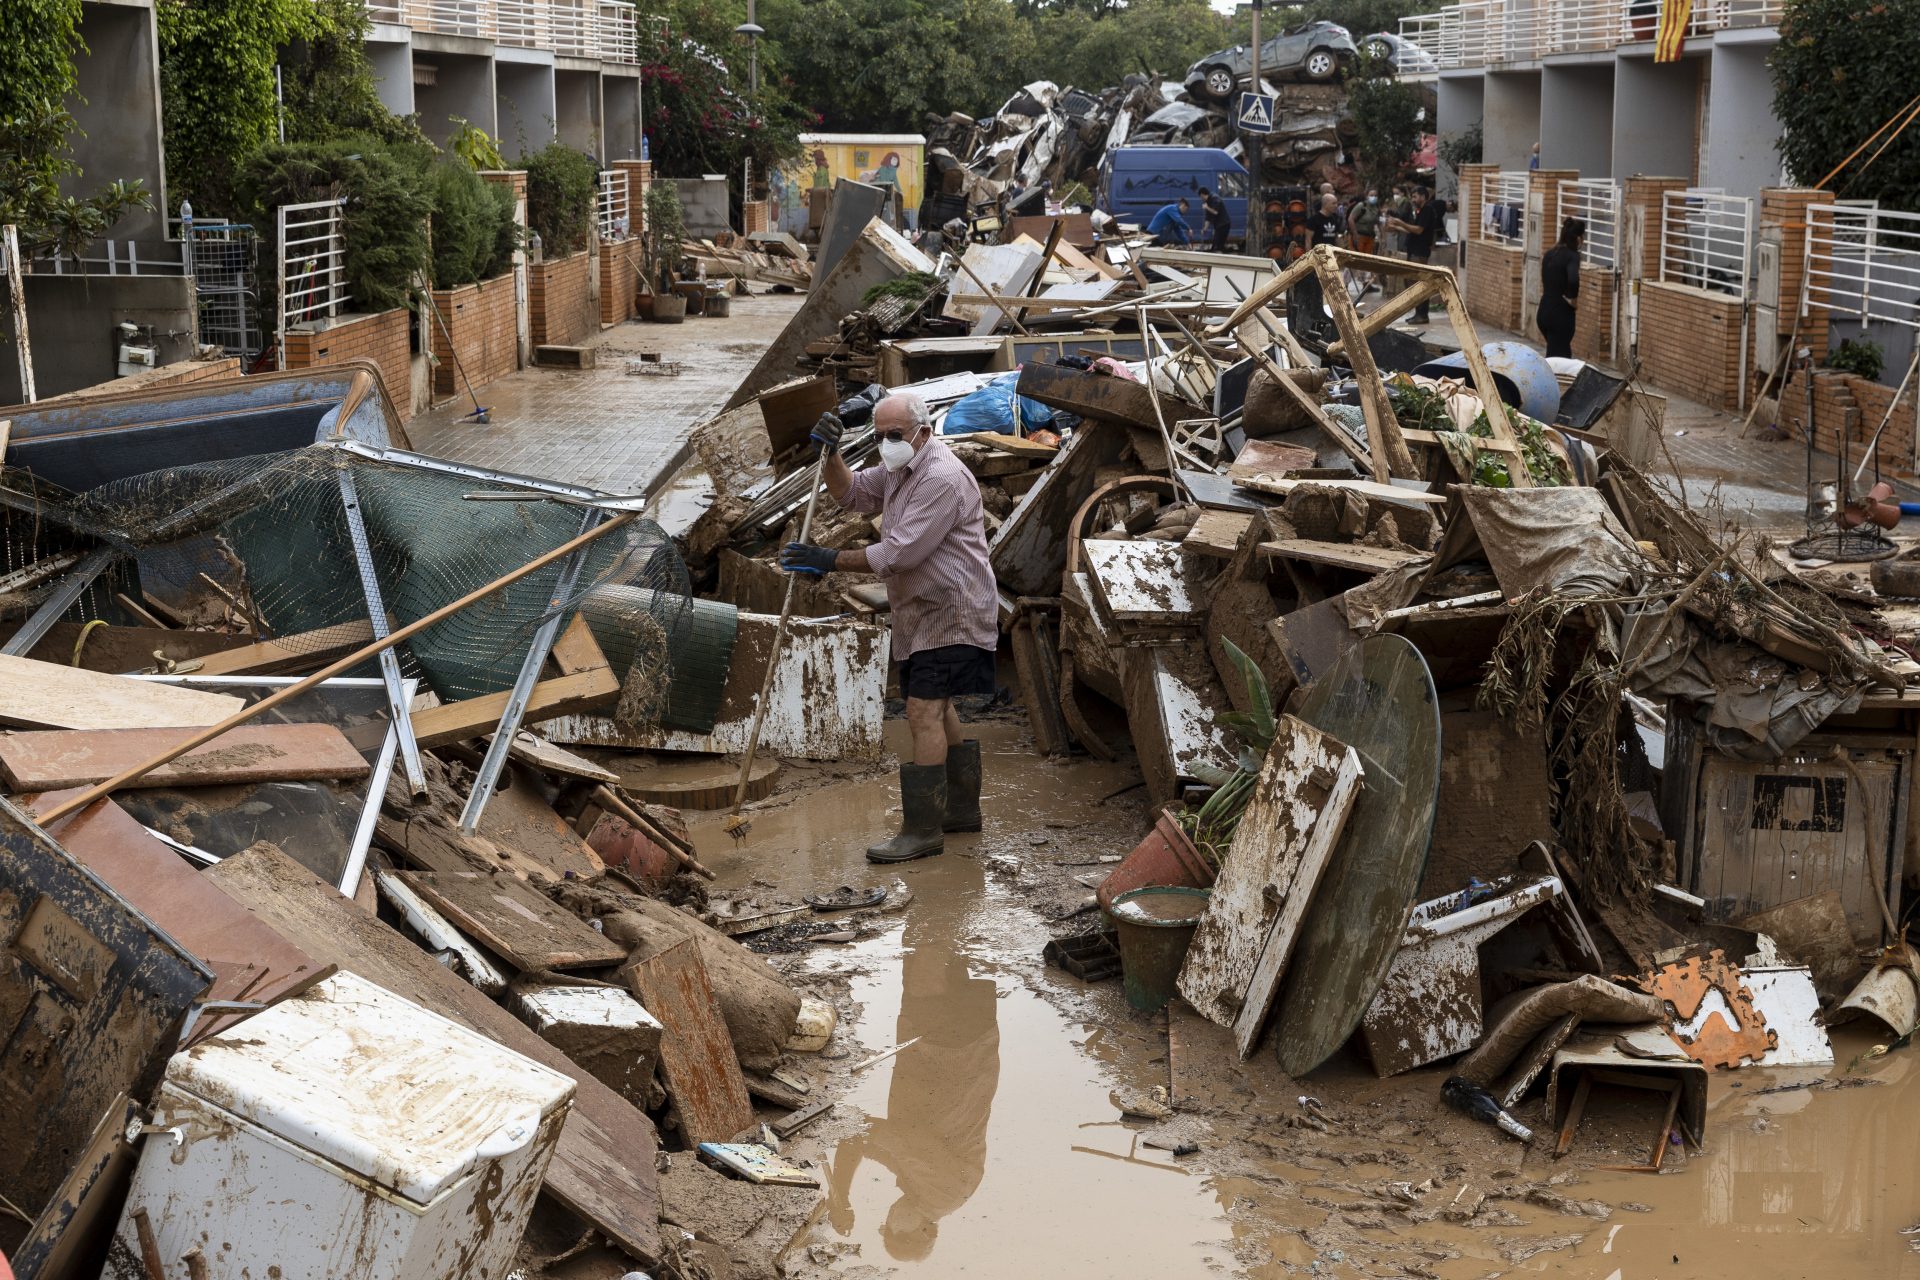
pixel 269 872
pixel 1531 724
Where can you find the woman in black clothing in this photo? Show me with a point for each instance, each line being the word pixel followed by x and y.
pixel 1560 287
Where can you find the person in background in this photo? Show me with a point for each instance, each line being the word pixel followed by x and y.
pixel 1327 225
pixel 932 556
pixel 1560 289
pixel 1533 157
pixel 1169 224
pixel 1363 222
pixel 1422 229
pixel 1213 211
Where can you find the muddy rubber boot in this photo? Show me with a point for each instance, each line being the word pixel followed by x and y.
pixel 923 803
pixel 963 787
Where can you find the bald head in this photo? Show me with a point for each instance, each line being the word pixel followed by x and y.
pixel 905 413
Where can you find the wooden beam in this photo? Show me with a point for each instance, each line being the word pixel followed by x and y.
pixel 576 651
pixel 299 652
pixel 1357 556
pixel 1483 381
pixel 1384 441
pixel 476 717
pixel 1264 294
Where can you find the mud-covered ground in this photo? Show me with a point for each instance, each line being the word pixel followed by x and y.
pixel 996 1144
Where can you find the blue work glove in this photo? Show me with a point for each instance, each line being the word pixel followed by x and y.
pixel 804 557
pixel 826 434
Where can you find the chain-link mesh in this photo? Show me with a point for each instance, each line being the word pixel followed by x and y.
pixel 264 543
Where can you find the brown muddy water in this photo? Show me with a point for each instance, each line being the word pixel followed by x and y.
pixel 993 1146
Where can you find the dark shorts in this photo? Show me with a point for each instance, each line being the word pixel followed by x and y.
pixel 951 671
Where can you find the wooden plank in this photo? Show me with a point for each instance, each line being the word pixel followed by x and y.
pixel 1391 492
pixel 519 834
pixel 529 748
pixel 1029 553
pixel 476 717
pixel 1357 556
pixel 1298 791
pixel 707 1092
pixel 576 652
pixel 49 760
pixel 45 695
pixel 522 926
pixel 1267 457
pixel 1217 533
pixel 129 650
pixel 603 1168
pixel 1143 581
pixel 1036 667
pixel 295 654
pixel 248 958
pixel 1099 395
pixel 1013 444
pixel 1277 950
pixel 1383 427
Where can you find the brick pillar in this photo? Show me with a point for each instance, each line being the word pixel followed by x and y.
pixel 1644 194
pixel 1546 184
pixel 1470 176
pixel 639 178
pixel 1784 211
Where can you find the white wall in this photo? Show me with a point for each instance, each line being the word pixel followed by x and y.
pixel 1512 116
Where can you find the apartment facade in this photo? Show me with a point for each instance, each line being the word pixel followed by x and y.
pixel 1579 78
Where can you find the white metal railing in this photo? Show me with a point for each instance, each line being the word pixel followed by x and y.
pixel 603 29
pixel 1864 263
pixel 1706 240
pixel 1479 32
pixel 312 266
pixel 1503 207
pixel 1597 201
pixel 613 209
pixel 118 258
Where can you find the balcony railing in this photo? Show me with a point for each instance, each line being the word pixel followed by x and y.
pixel 603 29
pixel 1487 32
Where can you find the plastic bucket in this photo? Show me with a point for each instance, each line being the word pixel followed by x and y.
pixel 1166 856
pixel 1155 925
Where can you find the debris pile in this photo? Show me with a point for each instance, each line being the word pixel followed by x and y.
pixel 1454 711
pixel 277 831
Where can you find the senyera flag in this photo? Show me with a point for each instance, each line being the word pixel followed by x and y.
pixel 1674 17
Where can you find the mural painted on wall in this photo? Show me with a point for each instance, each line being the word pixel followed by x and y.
pixel 894 160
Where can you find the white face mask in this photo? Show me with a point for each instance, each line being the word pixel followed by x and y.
pixel 895 454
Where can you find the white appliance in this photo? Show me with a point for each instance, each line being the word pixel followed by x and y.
pixel 345 1132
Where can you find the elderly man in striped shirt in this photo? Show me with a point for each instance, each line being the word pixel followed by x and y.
pixel 932 556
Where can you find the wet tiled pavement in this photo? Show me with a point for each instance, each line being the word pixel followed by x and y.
pixel 604 427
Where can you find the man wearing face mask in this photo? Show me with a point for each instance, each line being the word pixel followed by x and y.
pixel 932 556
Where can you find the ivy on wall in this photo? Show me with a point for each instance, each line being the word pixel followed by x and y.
pixel 38 42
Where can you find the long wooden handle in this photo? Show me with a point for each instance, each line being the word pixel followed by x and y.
pixel 779 640
pixel 354 659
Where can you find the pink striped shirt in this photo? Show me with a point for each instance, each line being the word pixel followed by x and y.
pixel 932 552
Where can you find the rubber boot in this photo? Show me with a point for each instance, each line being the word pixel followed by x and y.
pixel 923 803
pixel 963 787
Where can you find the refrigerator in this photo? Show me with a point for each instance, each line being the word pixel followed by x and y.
pixel 344 1132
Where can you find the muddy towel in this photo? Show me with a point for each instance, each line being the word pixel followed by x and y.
pixel 1515 1021
pixel 1562 540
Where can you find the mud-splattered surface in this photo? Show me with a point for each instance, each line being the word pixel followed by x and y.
pixel 995 1144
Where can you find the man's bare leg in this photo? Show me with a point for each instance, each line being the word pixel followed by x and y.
pixel 927 720
pixel 956 734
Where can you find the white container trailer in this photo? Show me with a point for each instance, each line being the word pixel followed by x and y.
pixel 345 1132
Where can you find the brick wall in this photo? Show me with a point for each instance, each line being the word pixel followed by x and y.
pixel 1786 209
pixel 619 260
pixel 560 302
pixel 1470 175
pixel 1495 276
pixel 1690 343
pixel 381 338
pixel 1848 409
pixel 639 179
pixel 1546 183
pixel 515 178
pixel 480 318
pixel 1593 330
pixel 1645 194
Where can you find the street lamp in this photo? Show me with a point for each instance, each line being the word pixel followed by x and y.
pixel 752 30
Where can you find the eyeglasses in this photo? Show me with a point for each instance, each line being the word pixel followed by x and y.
pixel 895 437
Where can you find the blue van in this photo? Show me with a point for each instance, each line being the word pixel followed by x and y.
pixel 1136 181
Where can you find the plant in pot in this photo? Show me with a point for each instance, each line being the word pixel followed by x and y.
pixel 666 227
pixel 1186 848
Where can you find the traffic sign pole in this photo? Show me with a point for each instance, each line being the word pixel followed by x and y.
pixel 1254 148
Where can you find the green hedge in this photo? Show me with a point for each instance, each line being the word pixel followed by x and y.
pixel 473 228
pixel 561 185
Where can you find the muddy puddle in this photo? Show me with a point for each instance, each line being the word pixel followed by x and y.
pixel 993 1146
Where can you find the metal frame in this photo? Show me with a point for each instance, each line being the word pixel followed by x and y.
pixel 1504 187
pixel 612 207
pixel 488 775
pixel 70 589
pixel 1864 262
pixel 1482 32
pixel 311 257
pixel 1598 201
pixel 399 702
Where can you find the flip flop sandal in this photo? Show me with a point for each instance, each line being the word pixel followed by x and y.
pixel 845 898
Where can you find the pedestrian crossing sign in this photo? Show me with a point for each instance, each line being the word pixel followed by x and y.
pixel 1257 111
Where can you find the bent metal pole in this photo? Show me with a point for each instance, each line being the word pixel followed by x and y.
pixel 347 663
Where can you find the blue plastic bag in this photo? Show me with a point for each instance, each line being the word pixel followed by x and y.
pixel 997 407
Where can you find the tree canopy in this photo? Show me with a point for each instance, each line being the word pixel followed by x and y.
pixel 1830 97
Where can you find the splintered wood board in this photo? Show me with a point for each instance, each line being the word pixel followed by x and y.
pixel 1265 457
pixel 48 760
pixel 516 921
pixel 1012 444
pixel 1387 492
pixel 1142 581
pixel 1306 786
pixel 46 695
pixel 1356 556
pixel 250 961
pixel 704 1084
pixel 1217 533
pixel 603 1166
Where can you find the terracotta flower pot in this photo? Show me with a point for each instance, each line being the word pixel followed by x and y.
pixel 1166 857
